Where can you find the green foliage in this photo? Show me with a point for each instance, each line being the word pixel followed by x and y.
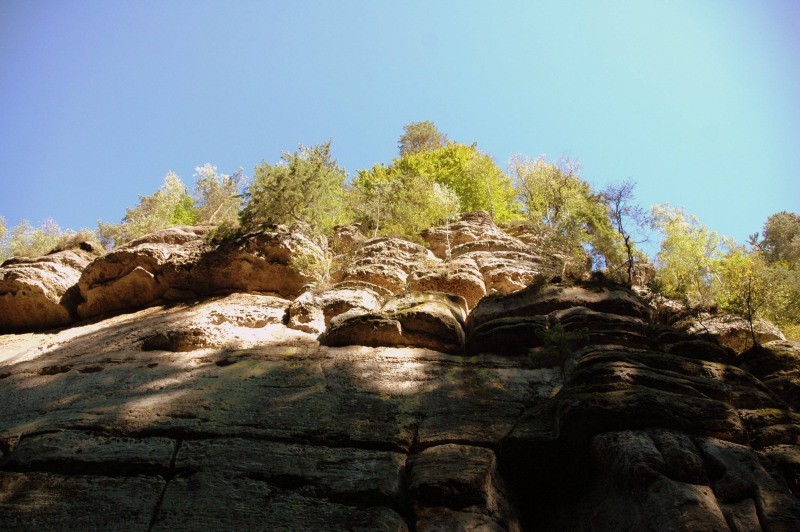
pixel 170 205
pixel 25 240
pixel 420 136
pixel 559 341
pixel 218 195
pixel 305 186
pixel 319 266
pixel 390 202
pixel 781 239
pixel 688 255
pixel 562 205
pixel 470 173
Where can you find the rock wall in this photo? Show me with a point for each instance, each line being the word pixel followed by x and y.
pixel 376 403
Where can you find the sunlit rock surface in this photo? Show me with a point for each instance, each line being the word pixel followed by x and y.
pixel 40 293
pixel 378 402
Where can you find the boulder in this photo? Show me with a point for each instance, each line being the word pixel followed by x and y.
pixel 387 262
pixel 40 293
pixel 729 330
pixel 470 227
pixel 132 275
pixel 777 364
pixel 459 477
pixel 431 320
pixel 541 300
pixel 460 276
pixel 312 312
pixel 177 264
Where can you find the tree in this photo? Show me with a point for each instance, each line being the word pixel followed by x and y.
pixel 781 238
pixel 25 240
pixel 305 186
pixel 688 254
pixel 420 136
pixel 626 217
pixel 170 205
pixel 561 204
pixel 218 195
pixel 471 174
pixel 391 202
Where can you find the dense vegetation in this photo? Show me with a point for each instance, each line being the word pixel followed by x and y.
pixel 432 180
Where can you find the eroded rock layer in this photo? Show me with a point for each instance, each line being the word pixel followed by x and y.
pixel 377 402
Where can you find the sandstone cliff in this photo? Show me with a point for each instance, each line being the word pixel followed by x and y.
pixel 458 386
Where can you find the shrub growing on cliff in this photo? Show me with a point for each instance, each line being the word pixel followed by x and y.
pixel 170 205
pixel 305 186
pixel 25 240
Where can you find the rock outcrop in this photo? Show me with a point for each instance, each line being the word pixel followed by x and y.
pixel 460 390
pixel 40 293
pixel 730 331
pixel 178 264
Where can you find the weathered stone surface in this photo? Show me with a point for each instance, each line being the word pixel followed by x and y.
pixel 540 300
pixel 39 294
pixel 738 474
pixel 312 312
pixel 445 519
pixel 777 364
pixel 85 453
pixel 387 262
pixel 177 264
pixel 469 228
pixel 459 477
pixel 431 320
pixel 572 409
pixel 362 476
pixel 217 501
pixel 460 277
pixel 43 501
pixel 730 331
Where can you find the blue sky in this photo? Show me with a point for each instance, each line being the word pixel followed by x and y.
pixel 698 102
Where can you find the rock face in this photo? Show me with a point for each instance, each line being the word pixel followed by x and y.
pixel 177 264
pixel 39 293
pixel 730 331
pixel 393 399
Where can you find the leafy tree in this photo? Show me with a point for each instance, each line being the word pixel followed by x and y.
pixel 420 136
pixel 25 240
pixel 471 174
pixel 170 205
pixel 305 186
pixel 558 201
pixel 781 238
pixel 688 254
pixel 218 195
pixel 391 202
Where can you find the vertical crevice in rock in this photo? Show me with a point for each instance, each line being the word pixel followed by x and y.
pixel 168 477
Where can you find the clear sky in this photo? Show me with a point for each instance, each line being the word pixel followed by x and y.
pixel 696 101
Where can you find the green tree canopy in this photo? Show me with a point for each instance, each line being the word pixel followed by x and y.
pixel 558 200
pixel 420 136
pixel 305 186
pixel 687 257
pixel 471 174
pixel 388 201
pixel 218 195
pixel 781 239
pixel 170 205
